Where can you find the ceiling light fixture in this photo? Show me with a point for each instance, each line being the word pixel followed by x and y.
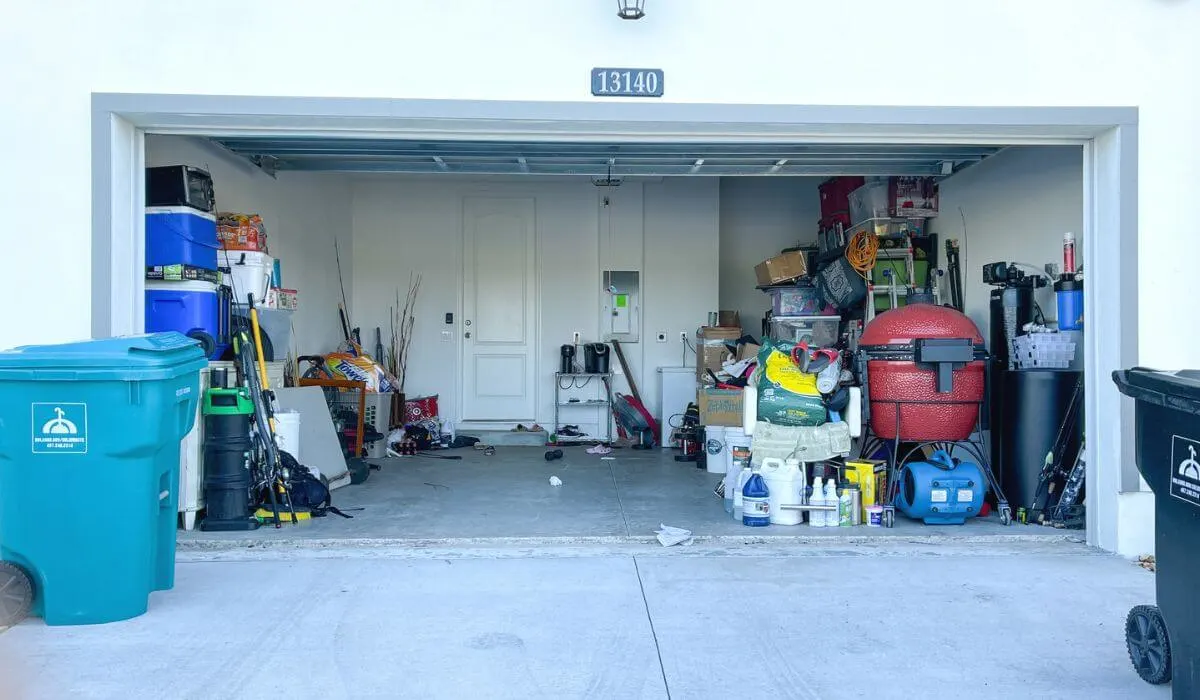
pixel 631 9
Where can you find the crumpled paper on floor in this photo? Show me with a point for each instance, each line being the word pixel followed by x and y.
pixel 555 481
pixel 669 536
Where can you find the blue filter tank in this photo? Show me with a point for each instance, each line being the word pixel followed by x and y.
pixel 756 510
pixel 1069 293
pixel 942 490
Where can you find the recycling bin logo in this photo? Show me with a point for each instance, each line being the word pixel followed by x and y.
pixel 1185 469
pixel 60 428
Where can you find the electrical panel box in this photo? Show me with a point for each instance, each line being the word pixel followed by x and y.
pixel 620 300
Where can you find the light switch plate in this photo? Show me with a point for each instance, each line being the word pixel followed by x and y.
pixel 447 336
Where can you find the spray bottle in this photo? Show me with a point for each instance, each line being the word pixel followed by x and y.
pixel 845 506
pixel 831 499
pixel 816 518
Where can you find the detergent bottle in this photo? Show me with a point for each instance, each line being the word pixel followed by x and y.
pixel 756 507
pixel 831 499
pixel 816 518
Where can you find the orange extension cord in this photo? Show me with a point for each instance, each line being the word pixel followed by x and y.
pixel 861 251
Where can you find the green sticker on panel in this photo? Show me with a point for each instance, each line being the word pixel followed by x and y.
pixel 622 301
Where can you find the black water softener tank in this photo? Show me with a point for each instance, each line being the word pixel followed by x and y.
pixel 1037 414
pixel 595 358
pixel 1010 308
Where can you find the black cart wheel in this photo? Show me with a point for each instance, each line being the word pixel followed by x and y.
pixel 1149 647
pixel 16 594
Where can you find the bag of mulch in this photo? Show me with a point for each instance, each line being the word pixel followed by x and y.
pixel 786 396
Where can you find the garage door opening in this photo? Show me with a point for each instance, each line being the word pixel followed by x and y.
pixel 524 246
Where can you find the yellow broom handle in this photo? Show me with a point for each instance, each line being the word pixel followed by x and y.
pixel 258 351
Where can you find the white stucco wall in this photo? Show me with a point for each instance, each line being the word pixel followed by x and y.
pixel 1017 53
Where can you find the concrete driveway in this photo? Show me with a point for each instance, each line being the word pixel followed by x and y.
pixel 880 620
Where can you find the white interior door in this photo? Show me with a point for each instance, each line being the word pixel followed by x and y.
pixel 499 309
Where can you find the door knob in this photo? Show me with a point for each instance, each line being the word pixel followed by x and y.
pixel 468 334
pixel 467 322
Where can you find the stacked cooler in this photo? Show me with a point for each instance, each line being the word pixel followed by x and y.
pixel 183 285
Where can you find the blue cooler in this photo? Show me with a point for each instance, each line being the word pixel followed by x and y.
pixel 199 310
pixel 181 236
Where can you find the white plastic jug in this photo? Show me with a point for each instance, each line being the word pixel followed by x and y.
pixel 785 482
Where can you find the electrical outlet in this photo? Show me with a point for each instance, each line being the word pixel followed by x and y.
pixel 575 337
pixel 683 336
pixel 661 336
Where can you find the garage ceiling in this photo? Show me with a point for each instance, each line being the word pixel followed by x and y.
pixel 337 155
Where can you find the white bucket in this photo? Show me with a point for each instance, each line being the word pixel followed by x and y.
pixel 717 454
pixel 287 433
pixel 785 485
pixel 249 272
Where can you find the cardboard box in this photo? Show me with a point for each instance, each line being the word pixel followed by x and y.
pixel 729 319
pixel 711 348
pixel 721 407
pixel 282 299
pixel 182 273
pixel 781 268
pixel 747 351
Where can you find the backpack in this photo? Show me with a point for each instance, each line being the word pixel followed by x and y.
pixel 307 490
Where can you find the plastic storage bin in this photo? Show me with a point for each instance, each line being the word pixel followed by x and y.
pixel 199 310
pixel 797 301
pixel 818 331
pixel 181 236
pixel 89 470
pixel 870 202
pixel 1043 350
pixel 1164 641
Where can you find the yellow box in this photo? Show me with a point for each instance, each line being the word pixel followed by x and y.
pixel 871 477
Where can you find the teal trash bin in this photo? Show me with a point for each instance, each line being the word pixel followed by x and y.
pixel 89 470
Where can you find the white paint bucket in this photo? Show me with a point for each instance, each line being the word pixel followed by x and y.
pixel 287 433
pixel 717 457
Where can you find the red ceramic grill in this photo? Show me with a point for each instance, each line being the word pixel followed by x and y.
pixel 924 363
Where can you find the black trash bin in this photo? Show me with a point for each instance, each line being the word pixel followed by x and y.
pixel 1164 641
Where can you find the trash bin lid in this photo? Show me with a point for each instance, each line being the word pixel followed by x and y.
pixel 153 356
pixel 1178 390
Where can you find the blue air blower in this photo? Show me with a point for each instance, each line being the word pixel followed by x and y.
pixel 942 490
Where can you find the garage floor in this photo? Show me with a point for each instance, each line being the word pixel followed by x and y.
pixel 885 620
pixel 508 498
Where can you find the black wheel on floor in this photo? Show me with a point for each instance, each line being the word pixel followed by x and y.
pixel 1148 644
pixel 16 594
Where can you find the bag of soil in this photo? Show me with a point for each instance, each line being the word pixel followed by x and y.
pixel 786 396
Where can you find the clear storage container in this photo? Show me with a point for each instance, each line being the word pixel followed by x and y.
pixel 796 301
pixel 870 202
pixel 817 331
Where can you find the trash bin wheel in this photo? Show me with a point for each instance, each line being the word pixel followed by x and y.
pixel 1148 644
pixel 16 594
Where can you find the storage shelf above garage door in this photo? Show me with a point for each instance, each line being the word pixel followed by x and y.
pixel 600 159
